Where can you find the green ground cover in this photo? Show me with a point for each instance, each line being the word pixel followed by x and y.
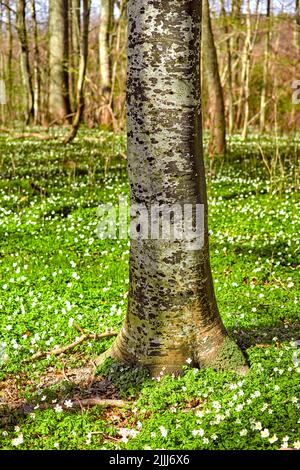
pixel 57 277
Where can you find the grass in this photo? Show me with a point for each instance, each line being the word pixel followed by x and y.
pixel 56 276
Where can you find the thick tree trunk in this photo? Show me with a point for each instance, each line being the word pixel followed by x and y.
pixel 263 98
pixel 217 145
pixel 172 313
pixel 82 69
pixel 24 56
pixel 36 66
pixel 59 101
pixel 104 56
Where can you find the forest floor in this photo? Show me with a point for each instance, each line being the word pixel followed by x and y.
pixel 59 282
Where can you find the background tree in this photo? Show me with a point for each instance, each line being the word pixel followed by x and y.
pixel 263 100
pixel 172 313
pixel 59 101
pixel 226 27
pixel 104 56
pixel 297 25
pixel 36 66
pixel 24 57
pixel 217 144
pixel 84 41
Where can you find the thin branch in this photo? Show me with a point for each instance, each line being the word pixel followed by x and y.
pixel 63 349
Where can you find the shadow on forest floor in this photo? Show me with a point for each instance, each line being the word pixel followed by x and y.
pixel 264 337
pixel 81 385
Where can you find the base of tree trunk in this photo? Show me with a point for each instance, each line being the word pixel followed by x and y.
pixel 227 357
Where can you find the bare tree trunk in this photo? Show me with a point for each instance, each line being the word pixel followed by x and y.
pixel 24 56
pixel 82 69
pixel 9 71
pixel 2 67
pixel 59 100
pixel 263 98
pixel 245 77
pixel 36 66
pixel 104 55
pixel 297 26
pixel 250 40
pixel 217 144
pixel 172 313
pixel 74 57
pixel 235 41
pixel 229 70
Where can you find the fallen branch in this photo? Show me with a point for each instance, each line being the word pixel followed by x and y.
pixel 81 339
pixel 33 135
pixel 86 402
pixel 101 402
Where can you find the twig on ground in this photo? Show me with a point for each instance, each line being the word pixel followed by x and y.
pixel 81 339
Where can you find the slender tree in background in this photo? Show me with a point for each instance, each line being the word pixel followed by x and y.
pixel 229 69
pixel 74 34
pixel 172 312
pixel 118 49
pixel 9 71
pixel 243 108
pixel 2 60
pixel 84 42
pixel 59 102
pixel 217 144
pixel 297 25
pixel 235 44
pixel 24 57
pixel 104 56
pixel 250 39
pixel 263 99
pixel 36 66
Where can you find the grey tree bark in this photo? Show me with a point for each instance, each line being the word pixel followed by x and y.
pixel 172 312
pixel 59 101
pixel 217 144
pixel 24 57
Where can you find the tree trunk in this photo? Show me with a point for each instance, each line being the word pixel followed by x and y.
pixel 84 42
pixel 75 34
pixel 25 67
pixel 297 26
pixel 235 41
pixel 229 70
pixel 104 56
pixel 245 78
pixel 217 145
pixel 9 75
pixel 263 98
pixel 2 70
pixel 59 101
pixel 172 312
pixel 36 66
